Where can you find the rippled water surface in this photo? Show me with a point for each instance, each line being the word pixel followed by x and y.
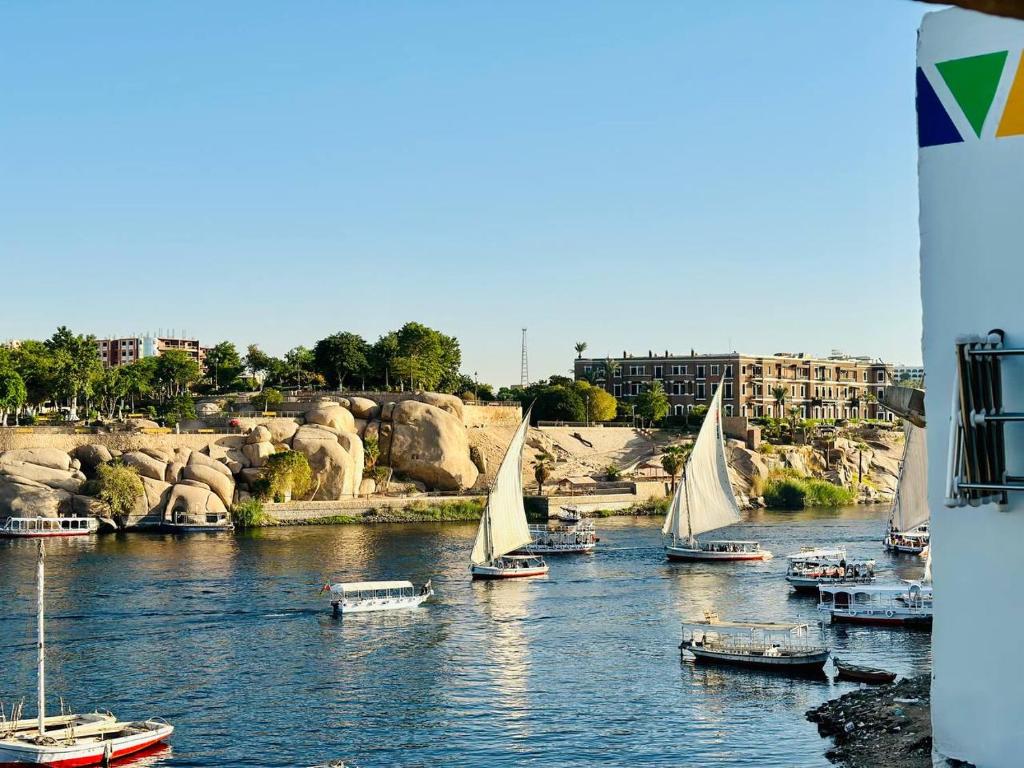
pixel 228 638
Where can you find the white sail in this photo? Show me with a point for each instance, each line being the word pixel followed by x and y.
pixel 707 493
pixel 910 507
pixel 928 568
pixel 503 527
pixel 675 521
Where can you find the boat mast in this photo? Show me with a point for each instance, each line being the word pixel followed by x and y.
pixel 40 584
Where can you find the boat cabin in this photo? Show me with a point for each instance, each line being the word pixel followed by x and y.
pixel 730 546
pixel 522 562
pixel 888 599
pixel 825 565
pixel 370 591
pixel 48 526
pixel 750 636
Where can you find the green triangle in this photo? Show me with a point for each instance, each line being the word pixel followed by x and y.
pixel 973 82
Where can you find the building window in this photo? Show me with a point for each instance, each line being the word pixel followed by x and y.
pixel 714 370
pixel 677 410
pixel 728 392
pixel 728 409
pixel 678 388
pixel 743 389
pixel 657 372
pixel 881 376
pixel 587 368
pixel 728 371
pixel 637 370
pixel 701 391
pixel 634 388
pixel 700 371
pixel 617 390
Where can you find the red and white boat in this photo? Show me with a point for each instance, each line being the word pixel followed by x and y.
pixel 46 527
pixel 704 500
pixel 71 741
pixel 503 527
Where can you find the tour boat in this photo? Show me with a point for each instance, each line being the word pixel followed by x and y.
pixel 908 604
pixel 365 596
pixel 214 522
pixel 70 740
pixel 908 520
pixel 38 527
pixel 704 500
pixel 811 567
pixel 777 647
pixel 503 527
pixel 858 674
pixel 562 539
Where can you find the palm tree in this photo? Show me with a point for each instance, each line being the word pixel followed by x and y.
pixel 542 471
pixel 779 393
pixel 610 369
pixel 581 347
pixel 861 447
pixel 673 460
pixel 794 414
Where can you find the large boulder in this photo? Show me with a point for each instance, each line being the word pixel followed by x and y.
pixel 92 455
pixel 386 411
pixel 89 506
pixel 151 505
pixel 257 453
pixel 146 465
pixel 43 457
pixel 198 459
pixel 223 486
pixel 333 416
pixel 282 430
pixel 159 454
pixel 191 505
pixel 449 403
pixel 64 480
pixel 430 444
pixel 30 499
pixel 259 434
pixel 334 467
pixel 363 408
pixel 141 424
pixel 174 472
pixel 208 408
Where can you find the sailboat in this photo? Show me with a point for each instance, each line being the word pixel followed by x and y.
pixel 71 740
pixel 503 527
pixel 908 521
pixel 704 500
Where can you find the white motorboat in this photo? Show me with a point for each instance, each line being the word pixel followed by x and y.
pixel 704 500
pixel 778 647
pixel 365 596
pixel 503 527
pixel 908 520
pixel 70 740
pixel 46 527
pixel 811 567
pixel 569 514
pixel 562 539
pixel 908 604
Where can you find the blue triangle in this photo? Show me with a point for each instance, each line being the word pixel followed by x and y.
pixel 934 126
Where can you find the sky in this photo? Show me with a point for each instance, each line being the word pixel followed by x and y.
pixel 733 175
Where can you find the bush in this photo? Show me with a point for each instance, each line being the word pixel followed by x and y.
pixel 119 487
pixel 250 514
pixel 288 473
pixel 821 493
pixel 787 490
pixel 785 493
pixel 612 472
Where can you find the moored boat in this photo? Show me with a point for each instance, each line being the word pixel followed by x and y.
pixel 810 568
pixel 569 514
pixel 772 646
pixel 47 527
pixel 366 596
pixel 860 674
pixel 503 527
pixel 908 520
pixel 70 740
pixel 907 605
pixel 562 539
pixel 704 500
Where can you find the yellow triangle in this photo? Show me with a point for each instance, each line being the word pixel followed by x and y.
pixel 1012 123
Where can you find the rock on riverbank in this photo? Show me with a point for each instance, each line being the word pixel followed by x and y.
pixel 887 726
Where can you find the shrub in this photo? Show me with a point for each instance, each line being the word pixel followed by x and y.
pixel 821 493
pixel 371 452
pixel 119 487
pixel 785 493
pixel 250 514
pixel 766 448
pixel 612 472
pixel 288 473
pixel 788 490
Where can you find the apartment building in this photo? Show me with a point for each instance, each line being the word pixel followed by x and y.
pixel 837 387
pixel 124 351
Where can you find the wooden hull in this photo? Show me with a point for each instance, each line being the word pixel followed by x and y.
pixel 482 572
pixel 857 674
pixel 85 752
pixel 685 553
pixel 804 663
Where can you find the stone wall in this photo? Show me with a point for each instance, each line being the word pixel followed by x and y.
pixel 304 511
pixel 11 439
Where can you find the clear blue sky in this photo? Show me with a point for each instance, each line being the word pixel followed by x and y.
pixel 636 175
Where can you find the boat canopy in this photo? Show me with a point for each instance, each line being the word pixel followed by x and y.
pixel 742 627
pixel 704 500
pixel 823 553
pixel 371 586
pixel 875 589
pixel 503 526
pixel 910 507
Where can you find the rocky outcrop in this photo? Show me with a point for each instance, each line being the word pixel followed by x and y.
pixel 50 458
pixel 146 465
pixel 26 498
pixel 223 486
pixel 91 455
pixel 151 506
pixel 334 468
pixel 363 408
pixel 449 403
pixel 430 444
pixel 194 505
pixel 65 480
pixel 333 416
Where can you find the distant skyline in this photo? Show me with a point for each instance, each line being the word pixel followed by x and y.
pixel 667 175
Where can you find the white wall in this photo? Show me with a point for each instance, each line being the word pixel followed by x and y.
pixel 972 280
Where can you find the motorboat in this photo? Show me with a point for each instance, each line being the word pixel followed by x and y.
pixel 908 604
pixel 562 539
pixel 46 527
pixel 811 567
pixel 366 596
pixel 785 647
pixel 914 542
pixel 511 567
pixel 860 674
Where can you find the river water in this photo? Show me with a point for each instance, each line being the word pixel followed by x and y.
pixel 229 639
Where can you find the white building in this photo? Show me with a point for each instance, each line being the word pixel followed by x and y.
pixel 901 372
pixel 971 166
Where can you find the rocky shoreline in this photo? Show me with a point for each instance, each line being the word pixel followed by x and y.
pixel 887 726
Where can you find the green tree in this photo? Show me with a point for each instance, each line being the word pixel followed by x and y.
pixel 178 408
pixel 259 363
pixel 381 357
pixel 425 358
pixel 36 365
pixel 76 358
pixel 652 403
pixel 111 387
pixel 542 470
pixel 581 347
pixel 138 379
pixel 672 461
pixel 610 369
pixel 271 398
pixel 119 487
pixel 12 393
pixel 301 365
pixel 288 474
pixel 340 356
pixel 174 371
pixel 599 405
pixel 557 403
pixel 779 395
pixel 223 364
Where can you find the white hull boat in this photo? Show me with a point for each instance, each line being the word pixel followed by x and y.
pixel 503 528
pixel 704 500
pixel 562 540
pixel 810 568
pixel 897 605
pixel 368 596
pixel 766 646
pixel 908 520
pixel 48 527
pixel 71 741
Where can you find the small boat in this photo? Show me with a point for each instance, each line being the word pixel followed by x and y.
pixel 68 739
pixel 859 674
pixel 810 568
pixel 908 519
pixel 213 522
pixel 365 596
pixel 776 647
pixel 704 500
pixel 562 539
pixel 39 527
pixel 503 528
pixel 569 514
pixel 900 605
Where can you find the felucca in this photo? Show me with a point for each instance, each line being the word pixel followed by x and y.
pixel 70 740
pixel 503 527
pixel 908 520
pixel 704 500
